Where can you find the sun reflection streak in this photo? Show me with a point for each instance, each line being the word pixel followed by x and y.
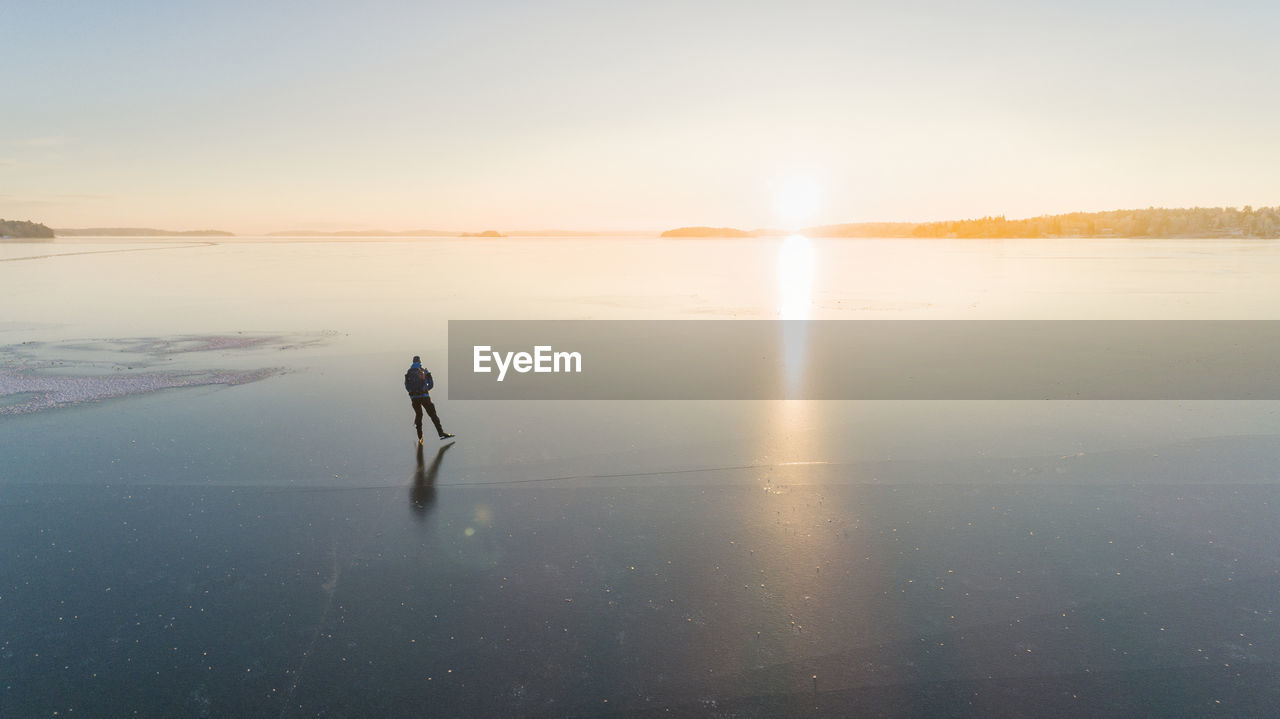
pixel 795 298
pixel 795 277
pixel 791 571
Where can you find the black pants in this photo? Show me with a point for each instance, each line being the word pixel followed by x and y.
pixel 419 404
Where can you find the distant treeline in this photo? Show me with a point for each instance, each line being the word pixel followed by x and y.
pixel 387 233
pixel 707 232
pixel 1151 222
pixel 23 228
pixel 365 233
pixel 1263 222
pixel 137 232
pixel 862 229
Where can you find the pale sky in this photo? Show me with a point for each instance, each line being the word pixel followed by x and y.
pixel 266 116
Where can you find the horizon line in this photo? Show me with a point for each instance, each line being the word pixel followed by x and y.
pixel 551 232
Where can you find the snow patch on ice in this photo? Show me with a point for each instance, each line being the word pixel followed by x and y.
pixel 37 376
pixel 35 393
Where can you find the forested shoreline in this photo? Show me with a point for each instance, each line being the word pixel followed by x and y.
pixel 24 228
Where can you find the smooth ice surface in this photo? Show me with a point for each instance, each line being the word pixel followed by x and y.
pixel 282 548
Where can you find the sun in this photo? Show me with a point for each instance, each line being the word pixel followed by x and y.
pixel 795 200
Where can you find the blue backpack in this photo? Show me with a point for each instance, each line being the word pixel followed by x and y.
pixel 415 381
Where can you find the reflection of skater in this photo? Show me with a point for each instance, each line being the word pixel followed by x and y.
pixel 423 492
pixel 417 381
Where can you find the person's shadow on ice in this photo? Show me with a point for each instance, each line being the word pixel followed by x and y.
pixel 422 495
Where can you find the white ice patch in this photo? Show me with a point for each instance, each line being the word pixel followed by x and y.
pixel 36 393
pixel 39 376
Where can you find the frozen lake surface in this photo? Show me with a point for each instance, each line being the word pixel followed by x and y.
pixel 212 504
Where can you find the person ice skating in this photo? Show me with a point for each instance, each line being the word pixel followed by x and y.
pixel 418 383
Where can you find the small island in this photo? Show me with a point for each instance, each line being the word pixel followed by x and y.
pixel 24 229
pixel 706 232
pixel 486 233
